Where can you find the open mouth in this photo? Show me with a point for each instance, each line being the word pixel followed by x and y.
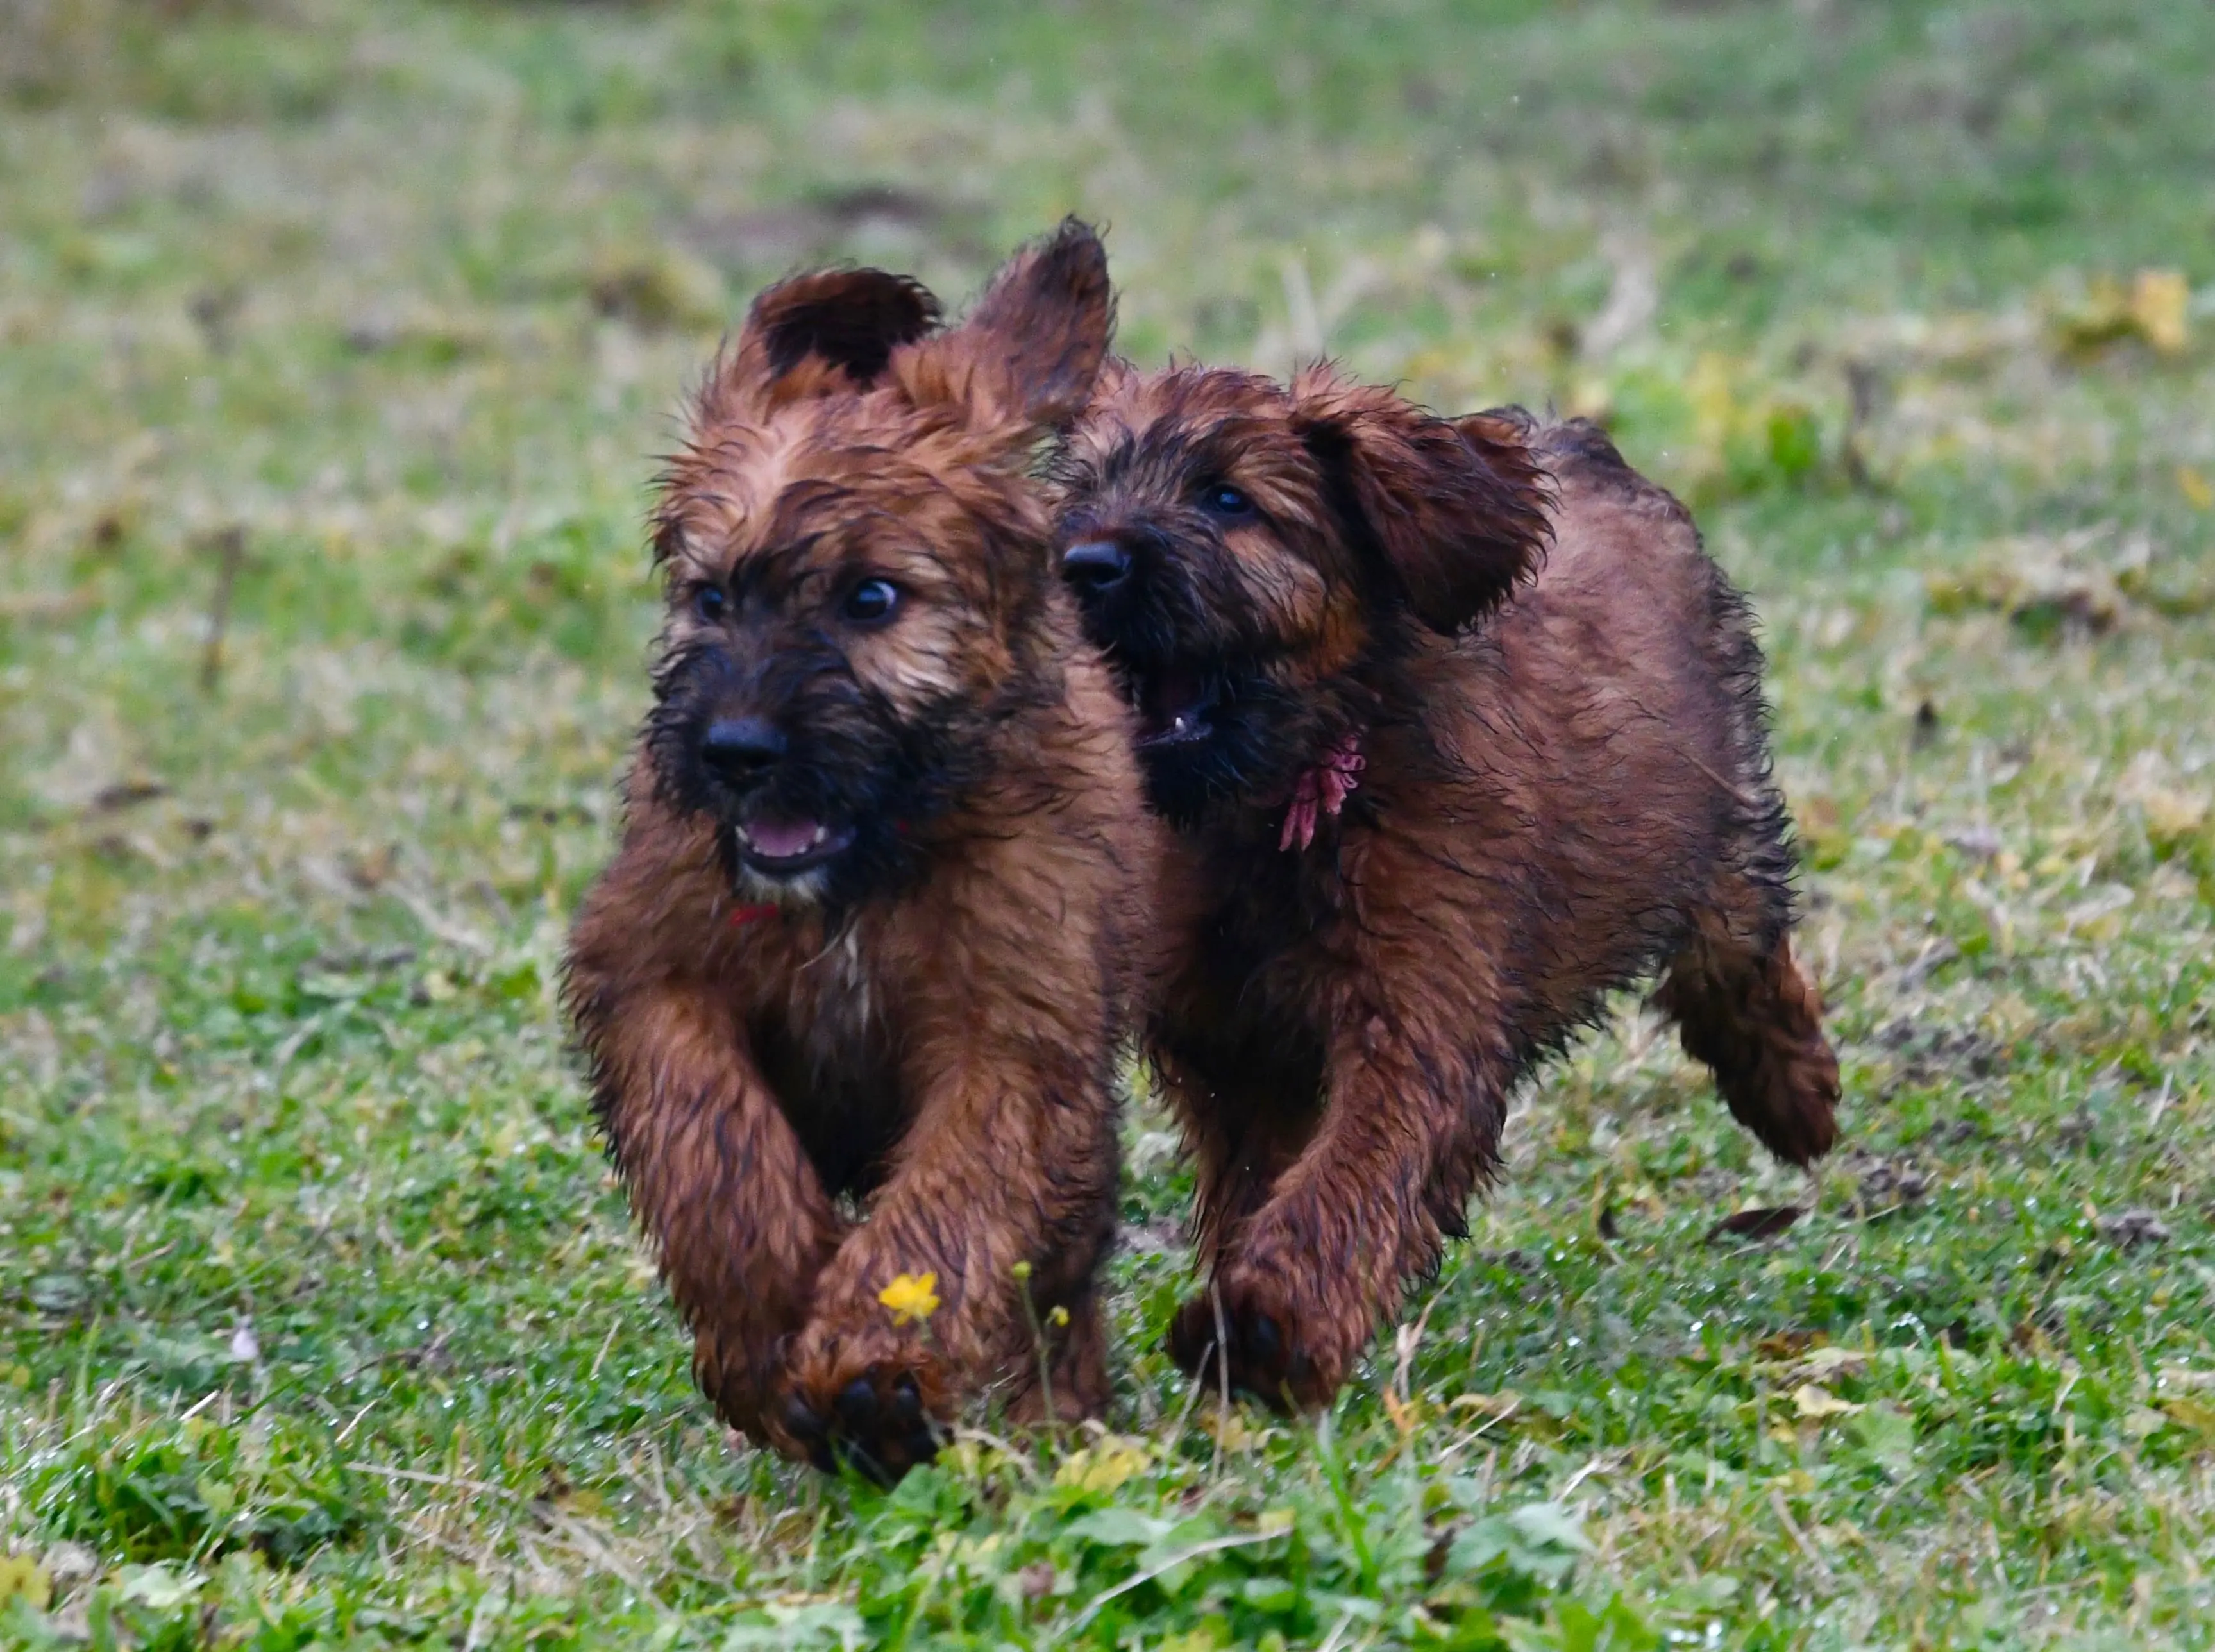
pixel 781 848
pixel 1174 702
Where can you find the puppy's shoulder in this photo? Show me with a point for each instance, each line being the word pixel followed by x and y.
pixel 655 909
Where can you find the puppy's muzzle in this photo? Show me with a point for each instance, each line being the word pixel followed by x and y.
pixel 742 748
pixel 1095 565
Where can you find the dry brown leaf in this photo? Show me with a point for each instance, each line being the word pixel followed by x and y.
pixel 1762 1222
pixel 1812 1401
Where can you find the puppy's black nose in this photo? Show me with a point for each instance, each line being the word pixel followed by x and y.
pixel 742 745
pixel 1095 564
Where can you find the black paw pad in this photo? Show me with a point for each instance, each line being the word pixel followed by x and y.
pixel 801 1422
pixel 907 1402
pixel 858 1404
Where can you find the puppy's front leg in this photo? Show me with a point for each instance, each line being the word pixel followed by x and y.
pixel 1411 1120
pixel 1004 1186
pixel 1243 1137
pixel 715 1175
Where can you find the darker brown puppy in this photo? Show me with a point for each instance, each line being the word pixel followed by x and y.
pixel 1461 729
pixel 871 938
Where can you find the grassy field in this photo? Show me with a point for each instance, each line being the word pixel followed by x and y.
pixel 336 340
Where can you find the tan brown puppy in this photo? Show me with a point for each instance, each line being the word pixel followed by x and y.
pixel 1461 729
pixel 871 942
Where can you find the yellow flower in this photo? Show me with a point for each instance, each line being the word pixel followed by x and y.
pixel 911 1298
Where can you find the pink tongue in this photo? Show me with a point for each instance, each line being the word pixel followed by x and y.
pixel 781 839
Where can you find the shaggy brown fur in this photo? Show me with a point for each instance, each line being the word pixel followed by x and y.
pixel 1461 729
pixel 873 938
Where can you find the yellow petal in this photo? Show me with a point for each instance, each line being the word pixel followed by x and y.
pixel 2195 487
pixel 910 1297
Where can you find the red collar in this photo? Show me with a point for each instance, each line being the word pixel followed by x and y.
pixel 1322 791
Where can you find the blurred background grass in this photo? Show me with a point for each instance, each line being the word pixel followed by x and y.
pixel 336 342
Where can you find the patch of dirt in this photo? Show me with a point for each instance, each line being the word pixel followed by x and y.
pixel 1156 1238
pixel 2076 1132
pixel 2128 1230
pixel 1883 1185
pixel 1925 1056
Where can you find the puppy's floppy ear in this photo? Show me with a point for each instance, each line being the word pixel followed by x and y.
pixel 825 329
pixel 1457 513
pixel 1031 350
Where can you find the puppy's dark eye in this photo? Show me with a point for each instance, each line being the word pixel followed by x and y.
pixel 1221 499
pixel 872 602
pixel 710 604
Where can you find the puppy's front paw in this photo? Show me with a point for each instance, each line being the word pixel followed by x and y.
pixel 1267 1343
pixel 878 1416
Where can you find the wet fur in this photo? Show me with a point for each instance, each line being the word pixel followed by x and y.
pixel 1568 790
pixel 924 1030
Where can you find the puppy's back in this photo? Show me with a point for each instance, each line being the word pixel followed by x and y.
pixel 1619 539
pixel 1603 731
pixel 1628 601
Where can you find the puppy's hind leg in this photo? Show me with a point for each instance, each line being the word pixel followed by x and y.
pixel 1743 1006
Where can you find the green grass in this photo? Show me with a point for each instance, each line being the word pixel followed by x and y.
pixel 320 1320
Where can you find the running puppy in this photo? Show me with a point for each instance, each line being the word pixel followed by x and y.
pixel 873 937
pixel 1460 729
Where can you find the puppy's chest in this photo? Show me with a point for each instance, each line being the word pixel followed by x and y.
pixel 827 1048
pixel 1252 999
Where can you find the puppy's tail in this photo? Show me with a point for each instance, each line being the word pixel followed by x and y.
pixel 1756 1021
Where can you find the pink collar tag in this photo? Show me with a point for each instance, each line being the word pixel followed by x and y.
pixel 1322 791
